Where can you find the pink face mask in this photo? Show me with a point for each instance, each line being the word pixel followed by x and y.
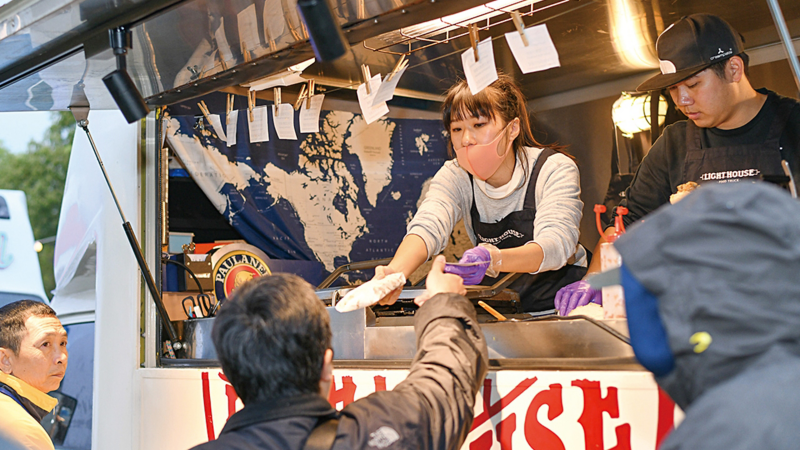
pixel 482 160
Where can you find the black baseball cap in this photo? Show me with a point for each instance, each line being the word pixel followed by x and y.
pixel 689 46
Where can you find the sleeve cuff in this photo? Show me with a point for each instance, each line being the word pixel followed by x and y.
pixel 426 238
pixel 550 251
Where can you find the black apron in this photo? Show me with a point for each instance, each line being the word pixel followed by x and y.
pixel 736 162
pixel 536 292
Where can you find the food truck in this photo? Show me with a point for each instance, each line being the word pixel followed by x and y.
pixel 257 157
pixel 20 275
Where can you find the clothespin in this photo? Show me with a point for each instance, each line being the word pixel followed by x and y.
pixel 474 38
pixel 204 110
pixel 300 98
pixel 273 47
pixel 229 109
pixel 251 103
pixel 310 93
pixel 245 52
pixel 401 64
pixel 277 99
pixel 367 76
pixel 517 18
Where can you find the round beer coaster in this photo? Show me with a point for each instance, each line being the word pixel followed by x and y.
pixel 236 268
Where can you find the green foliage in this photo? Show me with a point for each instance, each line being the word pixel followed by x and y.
pixel 41 173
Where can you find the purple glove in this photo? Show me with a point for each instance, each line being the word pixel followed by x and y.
pixel 473 273
pixel 576 294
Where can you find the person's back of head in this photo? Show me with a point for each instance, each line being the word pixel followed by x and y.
pixel 271 338
pixel 12 321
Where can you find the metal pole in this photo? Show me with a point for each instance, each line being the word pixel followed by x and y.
pixel 786 38
pixel 85 125
pixel 134 243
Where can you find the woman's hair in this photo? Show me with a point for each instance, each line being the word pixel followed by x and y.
pixel 501 100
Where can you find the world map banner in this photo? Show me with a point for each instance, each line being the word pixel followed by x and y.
pixel 342 195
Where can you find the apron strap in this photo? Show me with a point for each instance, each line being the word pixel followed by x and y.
pixel 694 139
pixel 783 109
pixel 530 196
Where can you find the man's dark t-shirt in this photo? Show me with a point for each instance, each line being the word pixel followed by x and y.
pixel 662 169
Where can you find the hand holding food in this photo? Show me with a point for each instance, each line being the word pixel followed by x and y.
pixel 683 190
pixel 371 292
pixel 380 273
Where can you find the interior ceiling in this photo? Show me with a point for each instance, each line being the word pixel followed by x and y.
pixel 177 55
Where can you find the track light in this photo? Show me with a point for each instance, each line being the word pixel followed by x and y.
pixel 324 31
pixel 119 83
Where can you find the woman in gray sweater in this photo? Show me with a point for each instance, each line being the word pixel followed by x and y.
pixel 520 200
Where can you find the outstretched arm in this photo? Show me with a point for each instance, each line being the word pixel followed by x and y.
pixel 434 407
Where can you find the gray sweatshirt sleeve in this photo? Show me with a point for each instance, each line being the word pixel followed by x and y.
pixel 448 199
pixel 558 211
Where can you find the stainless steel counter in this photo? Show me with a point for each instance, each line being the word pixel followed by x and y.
pixel 360 338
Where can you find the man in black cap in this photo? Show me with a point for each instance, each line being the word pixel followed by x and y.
pixel 734 133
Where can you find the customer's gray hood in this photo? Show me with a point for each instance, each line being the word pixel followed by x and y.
pixel 725 260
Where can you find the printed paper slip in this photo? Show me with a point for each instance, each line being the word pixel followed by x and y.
pixel 540 54
pixel 259 127
pixel 309 118
pixel 216 123
pixel 233 119
pixel 222 42
pixel 284 121
pixel 274 25
pixel 371 112
pixel 386 91
pixel 482 73
pixel 248 27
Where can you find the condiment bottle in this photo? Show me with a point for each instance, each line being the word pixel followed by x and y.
pixel 613 296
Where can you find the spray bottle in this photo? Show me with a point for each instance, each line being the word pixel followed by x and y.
pixel 613 296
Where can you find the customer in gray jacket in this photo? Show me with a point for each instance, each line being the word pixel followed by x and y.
pixel 713 300
pixel 273 339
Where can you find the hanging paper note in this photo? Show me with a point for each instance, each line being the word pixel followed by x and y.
pixel 248 27
pixel 371 111
pixel 539 54
pixel 284 121
pixel 259 127
pixel 233 118
pixel 222 42
pixel 483 72
pixel 309 117
pixel 216 123
pixel 274 24
pixel 386 91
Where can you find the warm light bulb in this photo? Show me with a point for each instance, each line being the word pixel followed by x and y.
pixel 631 113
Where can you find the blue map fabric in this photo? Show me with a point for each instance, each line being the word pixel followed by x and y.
pixel 342 195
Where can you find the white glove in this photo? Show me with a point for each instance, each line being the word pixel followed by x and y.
pixel 496 264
